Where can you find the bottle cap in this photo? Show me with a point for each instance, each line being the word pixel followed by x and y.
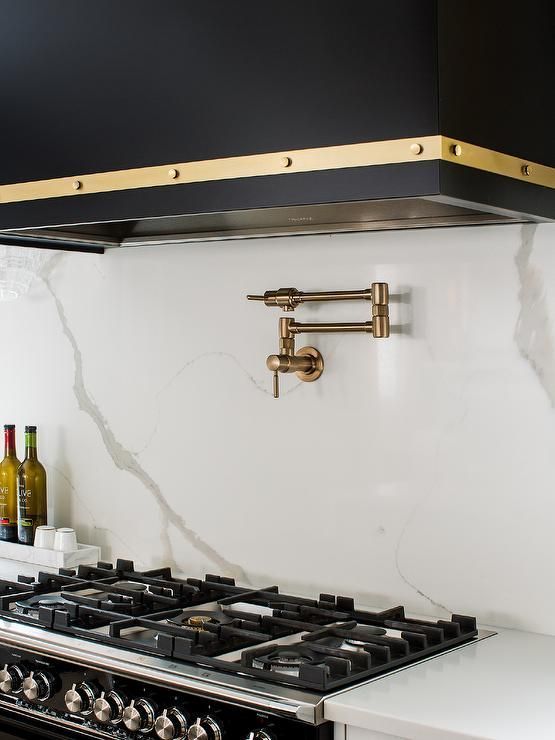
pixel 9 427
pixel 30 429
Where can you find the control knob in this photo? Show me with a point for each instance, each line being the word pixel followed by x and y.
pixel 11 679
pixel 205 728
pixel 139 716
pixel 80 699
pixel 172 723
pixel 108 708
pixel 265 734
pixel 38 686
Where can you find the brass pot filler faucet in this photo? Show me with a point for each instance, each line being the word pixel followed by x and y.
pixel 307 362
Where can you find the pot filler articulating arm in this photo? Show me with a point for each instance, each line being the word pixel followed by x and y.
pixel 307 362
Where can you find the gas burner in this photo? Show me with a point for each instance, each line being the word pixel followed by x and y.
pixel 31 606
pixel 131 585
pixel 199 620
pixel 286 660
pixel 339 643
pixel 364 635
pixel 355 643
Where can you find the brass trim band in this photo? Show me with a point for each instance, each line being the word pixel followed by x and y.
pixel 367 154
pixel 497 163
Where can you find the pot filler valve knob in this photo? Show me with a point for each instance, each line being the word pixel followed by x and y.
pixel 172 723
pixel 38 686
pixel 108 708
pixel 205 728
pixel 11 679
pixel 80 699
pixel 139 716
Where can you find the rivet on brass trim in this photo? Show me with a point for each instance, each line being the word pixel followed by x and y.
pixel 416 148
pixel 456 149
pixel 526 170
pixel 76 184
pixel 286 161
pixel 173 174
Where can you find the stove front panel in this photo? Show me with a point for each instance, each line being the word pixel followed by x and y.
pixel 51 698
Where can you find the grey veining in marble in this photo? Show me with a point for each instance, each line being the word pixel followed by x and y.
pixel 417 470
pixel 126 460
pixel 534 329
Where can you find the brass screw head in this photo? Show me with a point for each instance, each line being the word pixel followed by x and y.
pixel 416 148
pixel 286 161
pixel 526 170
pixel 456 149
pixel 173 174
pixel 76 184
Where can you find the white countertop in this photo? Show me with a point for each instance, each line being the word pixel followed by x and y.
pixel 500 688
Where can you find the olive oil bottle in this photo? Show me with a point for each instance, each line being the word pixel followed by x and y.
pixel 8 487
pixel 31 482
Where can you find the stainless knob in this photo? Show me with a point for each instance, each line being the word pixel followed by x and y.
pixel 109 707
pixel 261 735
pixel 80 699
pixel 38 686
pixel 11 679
pixel 205 728
pixel 172 723
pixel 139 716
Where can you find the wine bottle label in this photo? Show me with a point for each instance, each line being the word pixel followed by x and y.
pixel 26 522
pixel 24 494
pixel 4 520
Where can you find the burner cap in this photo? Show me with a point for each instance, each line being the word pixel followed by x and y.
pixel 52 604
pixel 31 606
pixel 333 642
pixel 287 660
pixel 131 585
pixel 198 620
pixel 362 635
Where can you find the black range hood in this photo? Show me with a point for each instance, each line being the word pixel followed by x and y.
pixel 132 122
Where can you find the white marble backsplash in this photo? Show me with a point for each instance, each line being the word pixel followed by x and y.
pixel 417 470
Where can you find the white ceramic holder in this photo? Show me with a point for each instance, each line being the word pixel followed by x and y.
pixel 85 554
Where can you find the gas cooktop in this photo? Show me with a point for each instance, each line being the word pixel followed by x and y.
pixel 319 644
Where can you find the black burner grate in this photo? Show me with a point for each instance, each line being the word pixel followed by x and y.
pixel 320 644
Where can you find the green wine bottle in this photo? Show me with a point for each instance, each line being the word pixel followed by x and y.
pixel 31 482
pixel 8 487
